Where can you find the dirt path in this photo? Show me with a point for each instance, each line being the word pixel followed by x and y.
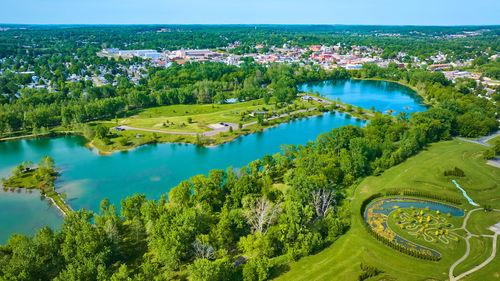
pixel 469 235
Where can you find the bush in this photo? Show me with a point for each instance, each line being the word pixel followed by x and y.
pixel 368 271
pixel 123 141
pixel 256 269
pixel 488 154
pixel 457 172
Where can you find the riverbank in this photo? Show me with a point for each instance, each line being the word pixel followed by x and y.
pixel 201 124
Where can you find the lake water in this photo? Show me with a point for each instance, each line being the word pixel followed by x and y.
pixel 381 95
pixel 88 177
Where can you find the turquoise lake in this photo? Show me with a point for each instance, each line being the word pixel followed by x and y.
pixel 381 95
pixel 88 177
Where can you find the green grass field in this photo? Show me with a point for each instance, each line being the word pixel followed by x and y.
pixel 494 140
pixel 341 261
pixel 477 255
pixel 480 221
pixel 175 118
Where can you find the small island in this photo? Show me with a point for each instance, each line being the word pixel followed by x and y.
pixel 41 176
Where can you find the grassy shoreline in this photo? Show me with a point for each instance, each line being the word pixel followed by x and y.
pixel 195 127
pixel 221 138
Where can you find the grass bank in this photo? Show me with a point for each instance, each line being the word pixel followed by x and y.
pixel 425 172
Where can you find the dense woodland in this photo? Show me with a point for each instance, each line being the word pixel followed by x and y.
pixel 230 224
pixel 215 82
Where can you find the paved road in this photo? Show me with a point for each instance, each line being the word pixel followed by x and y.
pixel 469 235
pixel 488 260
pixel 155 131
pixel 483 140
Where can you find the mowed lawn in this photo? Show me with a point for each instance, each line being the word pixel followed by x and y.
pixel 341 261
pixel 175 118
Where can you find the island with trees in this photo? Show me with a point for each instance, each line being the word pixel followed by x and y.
pixel 41 176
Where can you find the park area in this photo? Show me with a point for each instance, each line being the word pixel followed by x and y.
pixel 202 124
pixel 404 221
pixel 349 256
pixel 199 118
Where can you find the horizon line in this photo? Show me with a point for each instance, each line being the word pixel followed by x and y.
pixel 249 24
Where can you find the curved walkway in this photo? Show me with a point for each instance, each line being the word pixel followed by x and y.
pixel 469 235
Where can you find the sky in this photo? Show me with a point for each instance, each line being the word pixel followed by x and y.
pixel 362 12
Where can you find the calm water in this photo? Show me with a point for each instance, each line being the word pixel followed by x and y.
pixel 88 177
pixel 367 93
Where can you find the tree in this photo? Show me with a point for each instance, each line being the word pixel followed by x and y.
pixel 46 162
pixel 322 199
pixel 489 154
pixel 205 270
pixel 260 119
pixel 260 213
pixel 496 147
pixel 101 131
pixel 203 250
pixel 181 193
pixel 256 269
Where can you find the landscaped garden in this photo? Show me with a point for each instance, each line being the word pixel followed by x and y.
pixel 418 220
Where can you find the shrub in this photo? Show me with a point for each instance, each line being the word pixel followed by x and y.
pixel 457 172
pixel 368 271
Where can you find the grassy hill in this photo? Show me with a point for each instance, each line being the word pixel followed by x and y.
pixel 425 171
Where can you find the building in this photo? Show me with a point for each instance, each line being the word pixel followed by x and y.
pixel 111 51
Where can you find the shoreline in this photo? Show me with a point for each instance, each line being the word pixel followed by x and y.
pixel 90 145
pixel 413 88
pixel 61 212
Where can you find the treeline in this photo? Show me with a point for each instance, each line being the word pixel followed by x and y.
pixel 188 84
pixel 461 114
pixel 227 225
pixel 414 40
